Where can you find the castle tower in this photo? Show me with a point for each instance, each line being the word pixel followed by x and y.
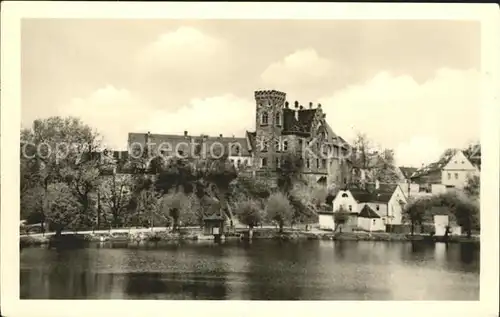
pixel 268 127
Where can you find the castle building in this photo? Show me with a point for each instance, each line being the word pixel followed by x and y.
pixel 280 130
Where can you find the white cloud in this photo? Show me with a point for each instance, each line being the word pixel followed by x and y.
pixel 116 112
pixel 299 68
pixel 109 110
pixel 225 115
pixel 414 119
pixel 183 49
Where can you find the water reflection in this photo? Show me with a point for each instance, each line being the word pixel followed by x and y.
pixel 263 270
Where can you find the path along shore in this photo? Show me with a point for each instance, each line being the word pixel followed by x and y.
pixel 267 232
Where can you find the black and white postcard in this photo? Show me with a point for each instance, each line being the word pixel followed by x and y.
pixel 257 158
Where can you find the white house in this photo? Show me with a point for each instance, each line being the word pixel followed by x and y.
pixel 386 200
pixel 458 169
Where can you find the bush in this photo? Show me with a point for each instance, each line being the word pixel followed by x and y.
pixel 249 212
pixel 279 209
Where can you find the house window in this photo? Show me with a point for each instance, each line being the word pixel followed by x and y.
pixel 323 162
pixel 265 146
pixel 345 180
pixel 344 195
pixel 277 146
pixel 308 163
pixel 263 162
pixel 232 161
pixel 462 162
pixel 264 118
pixel 285 145
pixel 350 207
pixel 277 163
pixel 278 119
pixel 378 207
pixel 449 175
pixel 317 163
pixel 239 162
pixel 373 221
pixel 456 175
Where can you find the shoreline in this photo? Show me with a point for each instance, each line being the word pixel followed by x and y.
pixel 80 239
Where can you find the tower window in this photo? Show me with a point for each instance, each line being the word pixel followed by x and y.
pixel 278 119
pixel 277 146
pixel 285 145
pixel 265 146
pixel 264 118
pixel 263 162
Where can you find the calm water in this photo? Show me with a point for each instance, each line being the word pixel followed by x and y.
pixel 310 270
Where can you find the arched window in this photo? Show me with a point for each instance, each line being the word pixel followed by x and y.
pixel 344 195
pixel 264 118
pixel 278 119
pixel 285 145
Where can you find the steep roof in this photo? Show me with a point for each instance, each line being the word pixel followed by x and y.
pixel 407 171
pixel 436 166
pixel 368 212
pixel 228 143
pixel 370 194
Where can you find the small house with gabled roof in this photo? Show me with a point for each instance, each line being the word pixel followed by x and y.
pixel 385 200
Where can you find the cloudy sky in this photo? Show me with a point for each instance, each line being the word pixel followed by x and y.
pixel 409 85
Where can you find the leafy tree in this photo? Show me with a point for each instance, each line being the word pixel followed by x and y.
pixel 377 164
pixel 61 150
pixel 473 186
pixel 173 205
pixel 115 192
pixel 465 210
pixel 340 217
pixel 415 212
pixel 61 208
pixel 250 213
pixel 278 208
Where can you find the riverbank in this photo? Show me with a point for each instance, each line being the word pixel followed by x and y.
pixel 242 234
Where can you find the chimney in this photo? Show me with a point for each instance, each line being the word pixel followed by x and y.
pixel 286 104
pixel 185 133
pixel 220 136
pixel 301 107
pixel 310 105
pixel 296 104
pixel 319 105
pixel 377 184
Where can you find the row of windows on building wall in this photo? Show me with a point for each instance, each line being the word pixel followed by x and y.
pixel 264 119
pixel 240 162
pixel 283 146
pixel 319 163
pixel 449 175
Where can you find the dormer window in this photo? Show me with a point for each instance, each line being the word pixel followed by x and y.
pixel 278 119
pixel 264 118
